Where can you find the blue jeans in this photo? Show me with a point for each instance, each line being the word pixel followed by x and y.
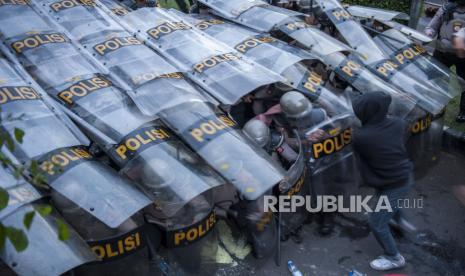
pixel 379 221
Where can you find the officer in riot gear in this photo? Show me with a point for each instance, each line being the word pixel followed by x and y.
pixel 449 19
pixel 302 115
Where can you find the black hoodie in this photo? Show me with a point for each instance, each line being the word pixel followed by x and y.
pixel 380 143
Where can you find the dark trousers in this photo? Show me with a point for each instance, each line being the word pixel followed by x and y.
pixel 450 59
pixel 379 221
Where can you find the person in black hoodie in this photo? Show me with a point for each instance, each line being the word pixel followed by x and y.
pixel 381 145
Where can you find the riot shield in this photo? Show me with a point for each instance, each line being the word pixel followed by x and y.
pixel 416 62
pixel 357 75
pixel 220 70
pixel 329 142
pixel 330 157
pixel 387 18
pixel 17 18
pixel 297 184
pixel 262 48
pixel 215 138
pixel 354 34
pixel 189 238
pixel 234 9
pixel 42 234
pixel 312 86
pixel 64 161
pixel 258 15
pixel 374 13
pixel 411 33
pixel 80 18
pixel 115 248
pixel 425 142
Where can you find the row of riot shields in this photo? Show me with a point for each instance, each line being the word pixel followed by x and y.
pixel 205 129
pixel 413 99
pixel 215 67
pixel 82 188
pixel 401 71
pixel 278 56
pixel 397 60
pixel 259 226
pixel 107 106
pixel 140 147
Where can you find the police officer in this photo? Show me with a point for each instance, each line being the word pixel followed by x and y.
pixel 449 19
pixel 302 115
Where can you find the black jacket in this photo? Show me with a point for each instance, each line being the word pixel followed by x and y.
pixel 380 143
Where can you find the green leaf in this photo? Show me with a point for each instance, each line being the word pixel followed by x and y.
pixel 17 238
pixel 4 197
pixel 10 144
pixel 63 231
pixel 2 236
pixel 19 134
pixel 27 220
pixel 44 209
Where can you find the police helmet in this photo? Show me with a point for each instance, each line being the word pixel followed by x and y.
pixel 295 105
pixel 257 131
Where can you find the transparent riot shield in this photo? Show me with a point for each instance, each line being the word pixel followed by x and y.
pixel 262 17
pixel 80 18
pixel 42 234
pixel 415 61
pixel 264 49
pixel 233 9
pixel 425 141
pixel 220 70
pixel 373 13
pixel 388 17
pixel 115 248
pixel 189 238
pixel 215 138
pixel 411 33
pixel 17 18
pixel 331 160
pixel 351 30
pixel 329 142
pixel 311 85
pixel 357 75
pixel 297 181
pixel 64 161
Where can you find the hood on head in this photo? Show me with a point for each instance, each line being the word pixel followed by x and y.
pixel 372 107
